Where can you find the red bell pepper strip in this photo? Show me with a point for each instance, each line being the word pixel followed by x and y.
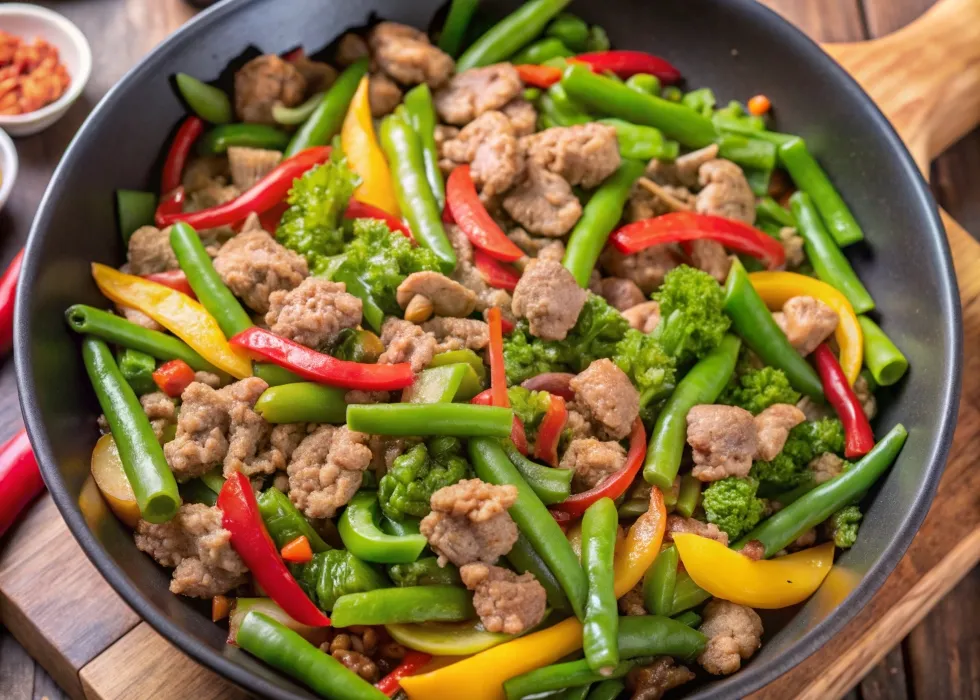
pixel 494 272
pixel 8 295
pixel 517 434
pixel 858 438
pixel 472 217
pixel 685 226
pixel 556 383
pixel 411 663
pixel 318 367
pixel 254 545
pixel 627 63
pixel 171 203
pixel 549 432
pixel 270 218
pixel 180 150
pixel 363 210
pixel 173 377
pixel 614 485
pixel 20 479
pixel 175 279
pixel 538 76
pixel 264 195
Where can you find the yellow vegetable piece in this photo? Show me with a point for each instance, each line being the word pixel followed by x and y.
pixel 776 288
pixel 766 584
pixel 107 471
pixel 447 638
pixel 642 545
pixel 364 155
pixel 176 312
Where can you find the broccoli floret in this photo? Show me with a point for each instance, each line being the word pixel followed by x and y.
pixel 338 572
pixel 844 526
pixel 417 474
pixel 693 322
pixel 805 442
pixel 758 389
pixel 731 504
pixel 650 369
pixel 530 407
pixel 526 356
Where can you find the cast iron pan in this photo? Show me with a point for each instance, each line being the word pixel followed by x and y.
pixel 736 47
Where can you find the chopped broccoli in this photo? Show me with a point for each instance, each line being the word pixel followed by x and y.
pixel 530 407
pixel 844 526
pixel 805 442
pixel 417 474
pixel 731 504
pixel 338 572
pixel 526 356
pixel 312 226
pixel 424 572
pixel 643 359
pixel 693 322
pixel 758 389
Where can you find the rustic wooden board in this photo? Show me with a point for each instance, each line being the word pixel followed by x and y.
pixel 96 647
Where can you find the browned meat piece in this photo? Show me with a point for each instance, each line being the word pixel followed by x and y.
pixel 406 55
pixel 607 397
pixel 358 663
pixel 253 266
pixel 469 522
pixel 385 450
pixel 549 298
pixel 865 397
pixel 202 427
pixel 592 461
pixel 522 115
pixel 203 171
pixel 249 165
pixel 734 633
pixel 248 433
pixel 358 396
pixel 543 203
pixel 406 342
pixel 458 333
pixel 160 409
pixel 754 550
pixel 199 547
pixel 807 322
pixel 350 48
pixel 217 192
pixel 313 313
pixel 139 318
pixel 825 467
pixel 632 601
pixel 448 297
pixel 643 317
pixel 209 378
pixel 647 268
pixel 504 601
pixel 773 426
pixel 682 525
pixel 473 92
pixel 461 244
pixel 644 204
pixel 578 426
pixel 621 293
pixel 326 470
pixel 383 94
pixel 150 251
pixel 584 154
pixel 804 541
pixel 543 248
pixel 317 74
pixel 489 145
pixel 725 191
pixel 688 166
pixel 652 681
pixel 262 82
pixel 711 257
pixel 724 441
pixel 792 246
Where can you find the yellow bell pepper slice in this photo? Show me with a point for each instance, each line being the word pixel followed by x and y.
pixel 642 545
pixel 776 288
pixel 766 584
pixel 447 638
pixel 364 155
pixel 176 312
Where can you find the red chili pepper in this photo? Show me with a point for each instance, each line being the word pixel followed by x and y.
pixel 180 149
pixel 363 210
pixel 318 367
pixel 858 438
pixel 175 279
pixel 254 545
pixel 412 662
pixel 294 55
pixel 627 63
pixel 8 295
pixel 173 377
pixel 494 272
pixel 472 217
pixel 517 435
pixel 507 326
pixel 171 203
pixel 556 383
pixel 549 432
pixel 498 376
pixel 270 218
pixel 614 485
pixel 538 76
pixel 684 226
pixel 263 196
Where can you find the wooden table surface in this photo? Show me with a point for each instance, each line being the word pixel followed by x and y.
pixel 940 658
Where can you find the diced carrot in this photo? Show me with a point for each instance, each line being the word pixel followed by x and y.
pixel 220 607
pixel 173 377
pixel 759 105
pixel 297 551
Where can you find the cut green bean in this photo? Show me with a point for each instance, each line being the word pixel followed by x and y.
pixel 206 101
pixel 304 402
pixel 688 497
pixel 194 491
pixel 284 521
pixel 551 485
pixel 658 584
pixel 645 83
pixel 642 142
pixel 510 34
pixel 291 116
pixel 328 117
pixel 448 419
pixel 571 674
pixel 689 618
pixel 457 21
pixel 687 594
pixel 541 51
pixel 133 210
pixel 769 208
pixel 656 635
pixel 274 375
pixel 607 690
pixel 881 356
pixel 523 558
pixel 389 606
pixel 422 117
pixel 219 139
pixel 601 624
pixel 747 152
pixel 734 125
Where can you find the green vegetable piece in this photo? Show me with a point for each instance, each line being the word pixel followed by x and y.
pixel 844 526
pixel 540 51
pixel 510 34
pixel 655 635
pixel 134 209
pixel 881 356
pixel 400 526
pixel 424 572
pixel 194 491
pixel 386 606
pixel 572 31
pixel 752 154
pixel 549 484
pixel 422 118
pixel 571 674
pixel 701 101
pixel 219 139
pixel 360 531
pixel 214 479
pixel 758 389
pixel 658 584
pixel 687 594
pixel 292 116
pixel 341 573
pixel 444 384
pixel 769 208
pixel 689 618
pixel 206 101
pixel 284 521
pixel 137 369
pixel 645 83
pixel 328 117
pixel 414 476
pixel 466 355
pixel 530 407
pixel 373 313
pixel 606 690
pixel 689 496
pixel 642 142
pixel 454 30
pixel 449 419
pixel 302 402
pixel 731 504
pixel 694 321
pixel 601 624
pixel 598 39
pixel 274 375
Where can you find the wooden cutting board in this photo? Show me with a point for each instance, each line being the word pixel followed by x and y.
pixel 926 78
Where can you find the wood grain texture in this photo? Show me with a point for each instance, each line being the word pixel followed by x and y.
pixel 886 681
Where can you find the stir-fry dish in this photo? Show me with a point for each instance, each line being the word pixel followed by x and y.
pixel 518 374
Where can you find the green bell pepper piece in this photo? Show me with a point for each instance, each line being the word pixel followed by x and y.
pixel 358 527
pixel 284 521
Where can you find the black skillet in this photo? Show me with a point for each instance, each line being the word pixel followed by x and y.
pixel 736 47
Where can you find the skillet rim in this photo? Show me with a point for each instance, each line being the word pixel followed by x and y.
pixel 747 680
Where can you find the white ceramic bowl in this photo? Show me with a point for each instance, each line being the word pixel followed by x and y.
pixel 8 167
pixel 30 22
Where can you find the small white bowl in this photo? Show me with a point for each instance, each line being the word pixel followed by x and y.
pixel 30 22
pixel 8 167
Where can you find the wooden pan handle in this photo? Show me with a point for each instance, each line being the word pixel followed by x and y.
pixel 925 77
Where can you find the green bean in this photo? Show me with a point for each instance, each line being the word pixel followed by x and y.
pixel 571 30
pixel 133 210
pixel 702 385
pixel 291 116
pixel 373 313
pixel 598 39
pixel 828 261
pixel 206 101
pixel 645 83
pixel 642 142
pixel 580 693
pixel 571 674
pixel 601 624
pixel 734 125
pixel 688 497
pixel 748 152
pixel 284 521
pixel 655 635
pixel 672 93
pixel 881 356
pixel 422 117
pixel 557 114
pixel 328 117
pixel 137 369
pixel 658 584
pixel 415 197
pixel 689 618
pixel 523 558
pixel 540 51
pixel 450 419
pixel 139 451
pixel 388 606
pixel 510 34
pixel 769 208
pixel 274 375
pixel 549 484
pixel 452 357
pixel 204 280
pixel 599 217
pixel 219 139
pixel 687 594
pixel 491 464
pixel 194 491
pixel 531 94
pixel 454 30
pixel 305 402
pixel 214 479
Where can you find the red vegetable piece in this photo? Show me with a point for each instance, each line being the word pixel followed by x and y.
pixel 175 279
pixel 294 55
pixel 484 398
pixel 858 437
pixel 494 272
pixel 20 479
pixel 171 204
pixel 8 295
pixel 180 149
pixel 411 663
pixel 173 377
pixel 538 76
pixel 270 219
pixel 627 63
pixel 363 210
pixel 556 383
pixel 549 432
pixel 254 545
pixel 498 376
pixel 297 551
pixel 472 217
